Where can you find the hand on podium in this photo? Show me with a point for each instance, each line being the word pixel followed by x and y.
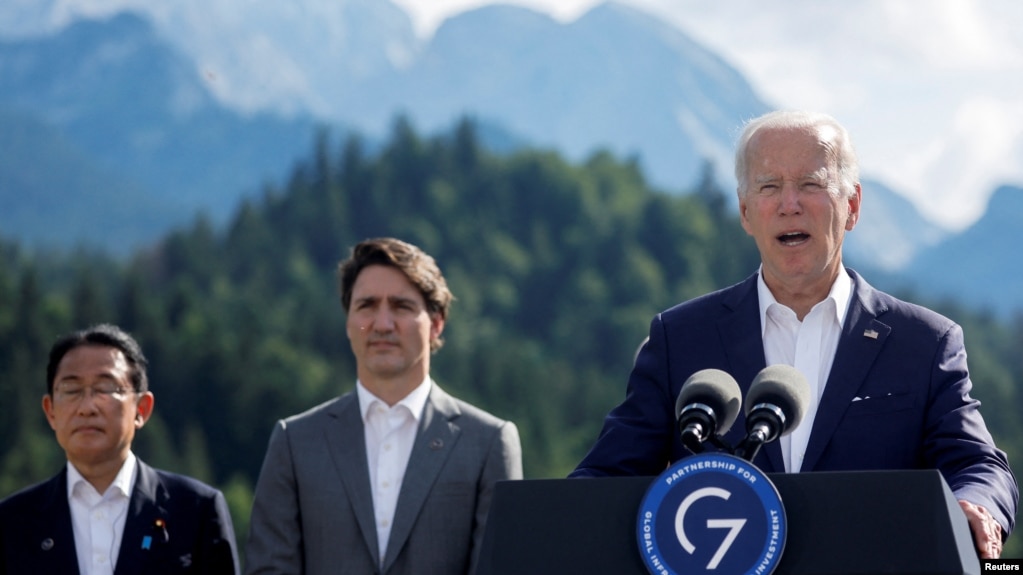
pixel 987 533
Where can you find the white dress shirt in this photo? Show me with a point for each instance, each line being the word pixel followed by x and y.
pixel 807 345
pixel 98 519
pixel 390 433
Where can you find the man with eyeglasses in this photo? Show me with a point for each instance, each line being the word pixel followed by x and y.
pixel 108 512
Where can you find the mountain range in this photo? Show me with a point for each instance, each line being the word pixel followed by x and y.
pixel 114 130
pixel 108 136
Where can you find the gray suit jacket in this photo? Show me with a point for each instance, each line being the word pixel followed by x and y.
pixel 313 508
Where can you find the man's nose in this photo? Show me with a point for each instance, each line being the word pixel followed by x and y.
pixel 383 319
pixel 88 402
pixel 789 201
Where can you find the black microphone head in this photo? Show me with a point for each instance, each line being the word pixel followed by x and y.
pixel 715 389
pixel 784 387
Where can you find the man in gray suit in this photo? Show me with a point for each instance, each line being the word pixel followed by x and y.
pixel 395 477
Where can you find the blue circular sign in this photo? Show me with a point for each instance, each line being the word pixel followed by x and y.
pixel 711 513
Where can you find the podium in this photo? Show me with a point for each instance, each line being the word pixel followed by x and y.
pixel 839 523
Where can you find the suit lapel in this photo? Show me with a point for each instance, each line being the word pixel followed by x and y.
pixel 346 441
pixel 863 337
pixel 146 527
pixel 53 535
pixel 741 331
pixel 743 341
pixel 435 441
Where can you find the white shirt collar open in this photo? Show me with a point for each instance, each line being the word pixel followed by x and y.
pixel 840 293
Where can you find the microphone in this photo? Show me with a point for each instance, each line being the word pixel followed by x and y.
pixel 776 402
pixel 707 404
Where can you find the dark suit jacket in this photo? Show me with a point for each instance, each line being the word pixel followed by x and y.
pixel 36 536
pixel 313 508
pixel 897 396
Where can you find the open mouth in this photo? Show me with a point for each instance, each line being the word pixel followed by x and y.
pixel 793 238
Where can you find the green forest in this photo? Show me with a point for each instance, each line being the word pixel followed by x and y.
pixel 556 267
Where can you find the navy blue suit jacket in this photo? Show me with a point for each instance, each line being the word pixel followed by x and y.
pixel 897 396
pixel 197 535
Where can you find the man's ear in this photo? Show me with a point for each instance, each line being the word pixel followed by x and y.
pixel 51 417
pixel 144 408
pixel 437 322
pixel 854 208
pixel 743 206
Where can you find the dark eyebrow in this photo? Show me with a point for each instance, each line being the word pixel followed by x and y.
pixel 393 300
pixel 400 300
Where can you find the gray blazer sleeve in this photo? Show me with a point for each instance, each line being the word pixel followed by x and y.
pixel 275 535
pixel 504 461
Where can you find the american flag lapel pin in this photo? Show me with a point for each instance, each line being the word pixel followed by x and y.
pixel 871 333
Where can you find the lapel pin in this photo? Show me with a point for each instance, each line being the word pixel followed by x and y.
pixel 47 544
pixel 872 334
pixel 147 542
pixel 436 443
pixel 162 525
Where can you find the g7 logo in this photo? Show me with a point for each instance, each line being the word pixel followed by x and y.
pixel 733 525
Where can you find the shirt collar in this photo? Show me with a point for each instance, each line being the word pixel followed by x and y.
pixel 415 401
pixel 123 482
pixel 841 292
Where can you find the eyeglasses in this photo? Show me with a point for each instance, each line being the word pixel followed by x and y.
pixel 104 392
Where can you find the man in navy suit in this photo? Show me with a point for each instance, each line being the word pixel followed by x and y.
pixel 107 512
pixel 889 384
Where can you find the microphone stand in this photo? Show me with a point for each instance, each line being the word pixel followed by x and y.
pixel 700 423
pixel 764 424
pixel 691 438
pixel 750 446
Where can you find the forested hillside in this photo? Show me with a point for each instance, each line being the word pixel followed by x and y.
pixel 556 269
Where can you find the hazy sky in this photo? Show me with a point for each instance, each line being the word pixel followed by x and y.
pixel 931 90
